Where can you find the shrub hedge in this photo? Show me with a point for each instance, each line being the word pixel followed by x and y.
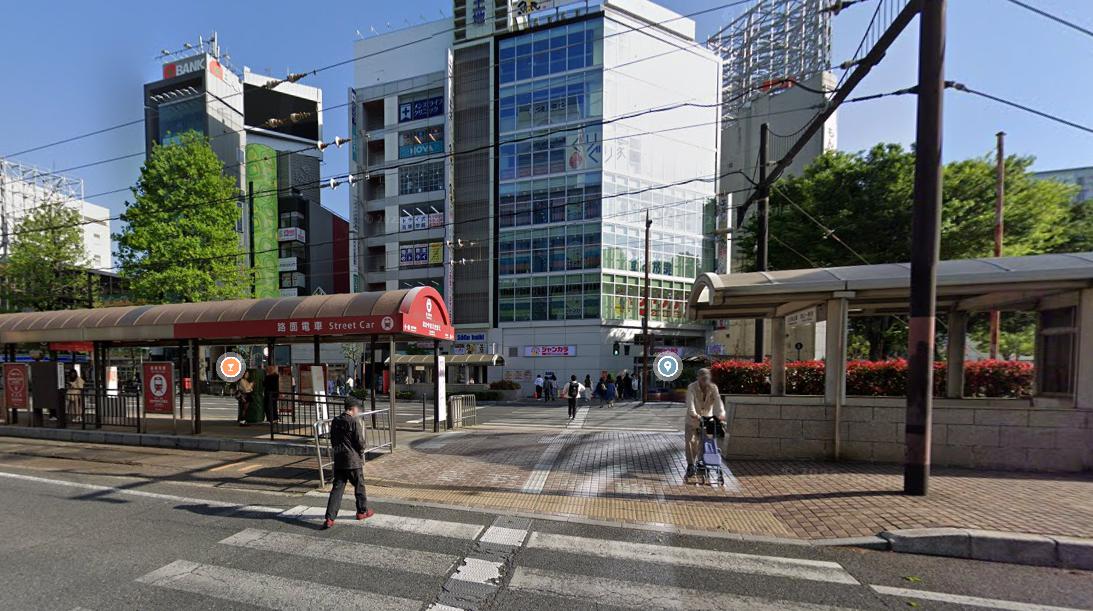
pixel 989 378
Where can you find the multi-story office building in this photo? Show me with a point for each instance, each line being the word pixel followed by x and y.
pixel 398 122
pixel 266 133
pixel 1079 177
pixel 560 127
pixel 23 188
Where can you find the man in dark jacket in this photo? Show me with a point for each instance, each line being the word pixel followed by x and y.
pixel 347 446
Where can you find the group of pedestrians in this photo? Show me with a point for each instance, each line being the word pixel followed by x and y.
pixel 244 394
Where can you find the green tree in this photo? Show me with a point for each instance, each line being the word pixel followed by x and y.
pixel 179 242
pixel 46 261
pixel 866 200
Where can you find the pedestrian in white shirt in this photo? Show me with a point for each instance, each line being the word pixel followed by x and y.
pixel 703 401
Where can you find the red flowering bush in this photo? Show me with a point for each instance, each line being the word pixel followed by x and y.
pixel 995 378
pixel 991 378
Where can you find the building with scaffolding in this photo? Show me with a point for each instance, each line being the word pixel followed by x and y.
pixel 776 69
pixel 776 60
pixel 24 188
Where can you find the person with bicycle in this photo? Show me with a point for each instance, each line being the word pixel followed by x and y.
pixel 703 401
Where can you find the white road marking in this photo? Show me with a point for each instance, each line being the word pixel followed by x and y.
pixel 642 595
pixel 436 607
pixel 236 507
pixel 336 550
pixel 814 570
pixel 971 601
pixel 477 570
pixel 267 590
pixel 578 419
pixel 420 526
pixel 510 537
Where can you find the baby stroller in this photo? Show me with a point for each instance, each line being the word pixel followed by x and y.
pixel 708 467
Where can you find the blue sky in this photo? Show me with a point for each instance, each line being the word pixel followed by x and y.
pixel 76 66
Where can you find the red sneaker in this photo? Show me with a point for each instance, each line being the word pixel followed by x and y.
pixel 365 515
pixel 327 524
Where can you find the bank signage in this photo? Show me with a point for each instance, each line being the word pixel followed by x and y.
pixel 421 109
pixel 537 351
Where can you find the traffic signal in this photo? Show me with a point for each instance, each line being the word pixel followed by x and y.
pixel 615 349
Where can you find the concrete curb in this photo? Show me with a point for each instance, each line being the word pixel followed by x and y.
pixel 992 546
pixel 180 442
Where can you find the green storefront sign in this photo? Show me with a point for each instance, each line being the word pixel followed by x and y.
pixel 262 177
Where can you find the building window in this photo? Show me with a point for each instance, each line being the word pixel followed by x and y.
pixel 427 140
pixel 421 178
pixel 1058 337
pixel 292 219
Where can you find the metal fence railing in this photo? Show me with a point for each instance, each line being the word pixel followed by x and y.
pixel 463 409
pixel 297 414
pixel 95 409
pixel 377 437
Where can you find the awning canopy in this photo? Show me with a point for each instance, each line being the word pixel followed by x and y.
pixel 418 313
pixel 965 284
pixel 455 359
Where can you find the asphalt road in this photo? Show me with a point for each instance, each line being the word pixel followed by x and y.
pixel 72 540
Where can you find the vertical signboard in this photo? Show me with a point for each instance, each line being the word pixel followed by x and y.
pixel 449 191
pixel 112 381
pixel 262 178
pixel 16 385
pixel 159 388
pixel 441 391
pixel 313 388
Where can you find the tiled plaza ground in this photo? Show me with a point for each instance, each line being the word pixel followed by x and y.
pixel 607 469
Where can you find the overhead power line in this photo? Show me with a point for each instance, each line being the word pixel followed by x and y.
pixel 297 76
pixel 1056 19
pixel 965 89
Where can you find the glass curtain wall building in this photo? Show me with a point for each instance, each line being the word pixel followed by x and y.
pixel 599 120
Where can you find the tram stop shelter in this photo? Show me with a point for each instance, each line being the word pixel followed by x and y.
pixel 1051 430
pixel 415 314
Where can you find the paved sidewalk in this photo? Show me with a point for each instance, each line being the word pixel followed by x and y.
pixel 638 477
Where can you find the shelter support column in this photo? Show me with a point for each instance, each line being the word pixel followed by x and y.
pixel 195 387
pixel 436 386
pixel 777 356
pixel 954 368
pixel 315 357
pixel 835 362
pixel 371 372
pixel 98 366
pixel 271 350
pixel 181 357
pixel 1083 380
pixel 392 390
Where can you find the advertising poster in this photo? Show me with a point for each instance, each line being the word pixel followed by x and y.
pixel 16 385
pixel 262 175
pixel 436 253
pixel 406 256
pixel 112 381
pixel 406 223
pixel 421 254
pixel 313 388
pixel 421 221
pixel 284 388
pixel 159 388
pixel 420 109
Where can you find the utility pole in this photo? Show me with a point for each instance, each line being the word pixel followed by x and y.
pixel 250 239
pixel 761 238
pixel 925 244
pixel 999 226
pixel 646 339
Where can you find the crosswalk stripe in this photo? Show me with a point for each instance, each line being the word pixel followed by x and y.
pixel 642 595
pixel 814 570
pixel 267 590
pixel 971 601
pixel 336 550
pixel 419 526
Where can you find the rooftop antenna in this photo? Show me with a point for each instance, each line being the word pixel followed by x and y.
pixel 359 35
pixel 215 46
pixel 373 28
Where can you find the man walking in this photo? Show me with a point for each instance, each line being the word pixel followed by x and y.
pixel 538 387
pixel 572 390
pixel 347 446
